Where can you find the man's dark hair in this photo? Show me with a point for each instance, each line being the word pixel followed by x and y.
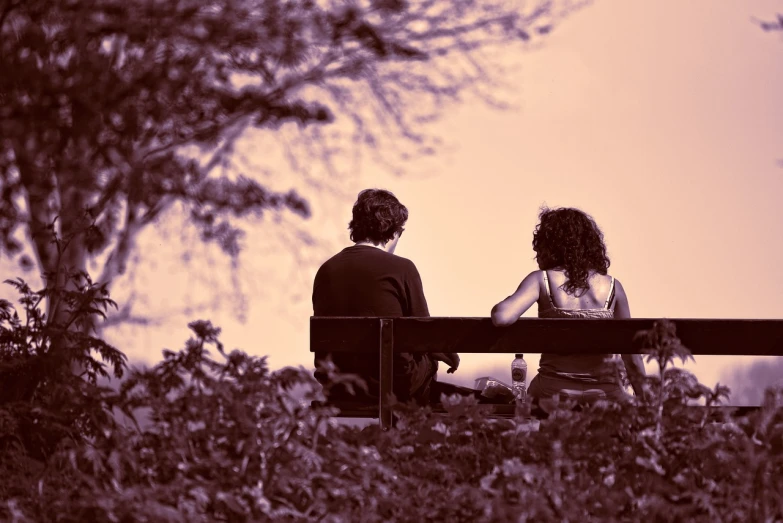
pixel 570 239
pixel 377 216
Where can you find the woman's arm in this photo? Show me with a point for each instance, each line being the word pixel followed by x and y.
pixel 634 365
pixel 509 310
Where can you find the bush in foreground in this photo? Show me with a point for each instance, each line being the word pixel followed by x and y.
pixel 229 440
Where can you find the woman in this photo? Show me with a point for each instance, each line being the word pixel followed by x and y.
pixel 572 283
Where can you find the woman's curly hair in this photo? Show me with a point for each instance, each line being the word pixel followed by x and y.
pixel 377 216
pixel 569 239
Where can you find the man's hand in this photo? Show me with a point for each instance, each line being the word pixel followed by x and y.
pixel 449 358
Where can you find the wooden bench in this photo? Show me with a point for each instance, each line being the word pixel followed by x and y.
pixel 722 337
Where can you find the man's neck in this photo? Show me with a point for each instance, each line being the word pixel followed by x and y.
pixel 380 246
pixel 388 247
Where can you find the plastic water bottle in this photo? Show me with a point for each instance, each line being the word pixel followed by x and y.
pixel 519 377
pixel 519 384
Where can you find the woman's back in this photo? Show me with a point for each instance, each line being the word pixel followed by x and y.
pixel 595 303
pixel 597 297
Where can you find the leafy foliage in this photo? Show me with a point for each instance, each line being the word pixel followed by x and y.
pixel 42 403
pixel 228 439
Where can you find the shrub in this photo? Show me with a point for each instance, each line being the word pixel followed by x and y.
pixel 43 404
pixel 228 439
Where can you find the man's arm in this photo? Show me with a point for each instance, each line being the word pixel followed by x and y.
pixel 418 308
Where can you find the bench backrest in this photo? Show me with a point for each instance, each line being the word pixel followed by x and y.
pixel 530 335
pixel 534 335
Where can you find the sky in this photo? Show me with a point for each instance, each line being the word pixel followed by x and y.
pixel 663 120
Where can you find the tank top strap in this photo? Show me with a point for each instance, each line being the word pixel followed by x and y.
pixel 548 292
pixel 611 294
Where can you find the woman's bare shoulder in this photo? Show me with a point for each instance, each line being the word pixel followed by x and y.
pixel 533 276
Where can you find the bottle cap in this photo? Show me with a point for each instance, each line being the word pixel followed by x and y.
pixel 517 355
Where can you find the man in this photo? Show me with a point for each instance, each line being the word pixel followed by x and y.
pixel 368 279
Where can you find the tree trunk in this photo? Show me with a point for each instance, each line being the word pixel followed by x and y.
pixel 57 260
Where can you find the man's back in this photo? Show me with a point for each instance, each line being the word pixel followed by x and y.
pixel 363 280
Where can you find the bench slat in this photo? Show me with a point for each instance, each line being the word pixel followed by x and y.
pixel 533 335
pixel 341 334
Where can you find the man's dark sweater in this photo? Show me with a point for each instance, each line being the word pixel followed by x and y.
pixel 366 281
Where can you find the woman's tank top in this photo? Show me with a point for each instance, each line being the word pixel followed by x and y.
pixel 588 368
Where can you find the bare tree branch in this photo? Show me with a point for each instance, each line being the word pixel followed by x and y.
pixel 108 102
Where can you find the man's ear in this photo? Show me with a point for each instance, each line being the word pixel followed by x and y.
pixel 391 245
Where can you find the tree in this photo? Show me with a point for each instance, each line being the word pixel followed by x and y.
pixel 116 111
pixel 776 25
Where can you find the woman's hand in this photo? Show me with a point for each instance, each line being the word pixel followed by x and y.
pixel 637 375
